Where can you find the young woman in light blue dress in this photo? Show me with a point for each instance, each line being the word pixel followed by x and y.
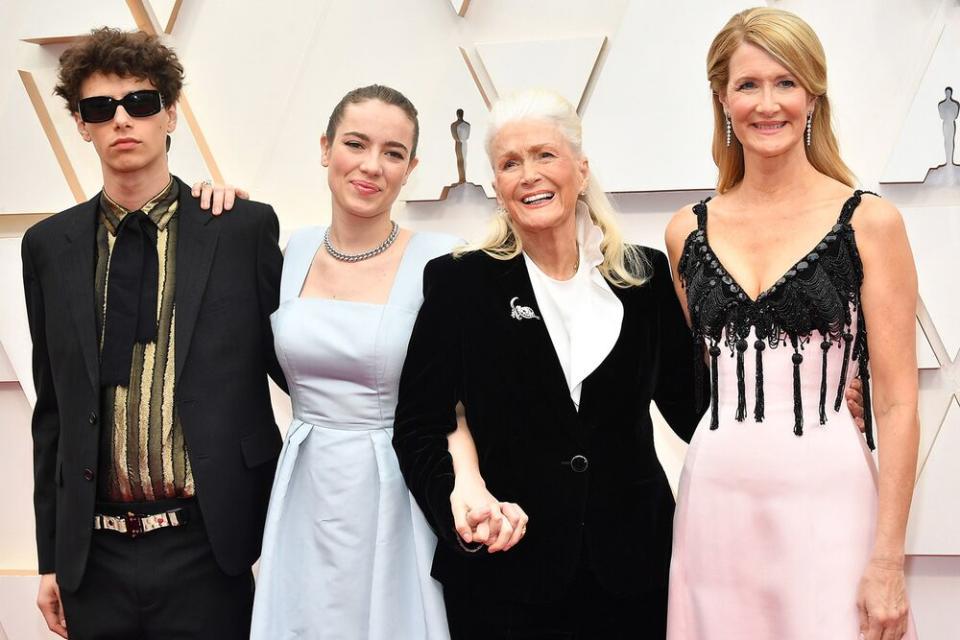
pixel 346 551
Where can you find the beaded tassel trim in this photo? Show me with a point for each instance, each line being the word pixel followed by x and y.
pixel 820 294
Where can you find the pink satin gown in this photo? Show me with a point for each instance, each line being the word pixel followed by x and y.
pixel 775 518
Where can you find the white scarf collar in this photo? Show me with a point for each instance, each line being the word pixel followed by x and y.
pixel 593 325
pixel 589 237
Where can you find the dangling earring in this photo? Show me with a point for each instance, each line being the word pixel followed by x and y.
pixel 809 127
pixel 500 210
pixel 729 130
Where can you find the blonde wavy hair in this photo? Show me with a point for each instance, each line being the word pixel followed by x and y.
pixel 623 265
pixel 792 43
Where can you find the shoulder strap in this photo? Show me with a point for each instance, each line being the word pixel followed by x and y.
pixel 423 246
pixel 297 258
pixel 851 205
pixel 700 210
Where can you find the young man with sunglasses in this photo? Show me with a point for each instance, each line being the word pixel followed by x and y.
pixel 154 440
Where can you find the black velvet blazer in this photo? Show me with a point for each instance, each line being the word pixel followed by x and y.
pixel 613 502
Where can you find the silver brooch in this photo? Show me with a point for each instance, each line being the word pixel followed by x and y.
pixel 520 312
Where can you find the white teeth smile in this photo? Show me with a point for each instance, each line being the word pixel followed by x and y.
pixel 770 126
pixel 537 198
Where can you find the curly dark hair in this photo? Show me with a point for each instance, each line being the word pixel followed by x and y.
pixel 128 54
pixel 379 92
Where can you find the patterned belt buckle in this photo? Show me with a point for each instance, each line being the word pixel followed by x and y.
pixel 134 524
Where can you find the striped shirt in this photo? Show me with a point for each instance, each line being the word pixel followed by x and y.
pixel 143 455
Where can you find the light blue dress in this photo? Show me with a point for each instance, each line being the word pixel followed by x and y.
pixel 346 550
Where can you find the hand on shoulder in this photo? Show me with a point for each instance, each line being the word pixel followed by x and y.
pixel 217 197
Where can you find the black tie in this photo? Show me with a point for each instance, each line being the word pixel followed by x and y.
pixel 131 297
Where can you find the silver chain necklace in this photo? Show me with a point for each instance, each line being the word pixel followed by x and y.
pixel 357 257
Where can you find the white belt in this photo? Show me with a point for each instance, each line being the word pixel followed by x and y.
pixel 134 525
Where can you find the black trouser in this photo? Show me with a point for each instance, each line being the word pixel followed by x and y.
pixel 586 611
pixel 163 585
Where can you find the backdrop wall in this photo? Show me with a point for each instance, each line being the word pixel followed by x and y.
pixel 263 77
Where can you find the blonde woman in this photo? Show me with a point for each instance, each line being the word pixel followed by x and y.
pixel 784 527
pixel 555 336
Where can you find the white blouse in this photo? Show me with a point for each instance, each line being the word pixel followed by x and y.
pixel 582 315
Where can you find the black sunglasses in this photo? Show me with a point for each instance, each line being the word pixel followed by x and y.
pixel 139 104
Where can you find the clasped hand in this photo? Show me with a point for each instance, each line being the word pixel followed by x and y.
pixel 480 518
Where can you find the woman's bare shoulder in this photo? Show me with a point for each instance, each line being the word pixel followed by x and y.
pixel 681 225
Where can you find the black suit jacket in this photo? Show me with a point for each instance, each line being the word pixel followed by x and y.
pixel 619 511
pixel 228 278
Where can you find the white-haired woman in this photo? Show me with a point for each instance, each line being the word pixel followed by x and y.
pixel 555 336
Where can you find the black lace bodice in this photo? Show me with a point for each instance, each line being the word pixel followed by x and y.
pixel 818 296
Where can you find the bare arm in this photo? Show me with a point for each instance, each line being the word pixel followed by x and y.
pixel 889 299
pixel 477 515
pixel 462 448
pixel 680 226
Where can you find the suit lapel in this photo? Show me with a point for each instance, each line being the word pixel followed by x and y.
pixel 76 268
pixel 537 359
pixel 196 243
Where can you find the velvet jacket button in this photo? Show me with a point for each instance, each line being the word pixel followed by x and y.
pixel 88 474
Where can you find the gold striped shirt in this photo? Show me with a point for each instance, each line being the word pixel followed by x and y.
pixel 143 455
